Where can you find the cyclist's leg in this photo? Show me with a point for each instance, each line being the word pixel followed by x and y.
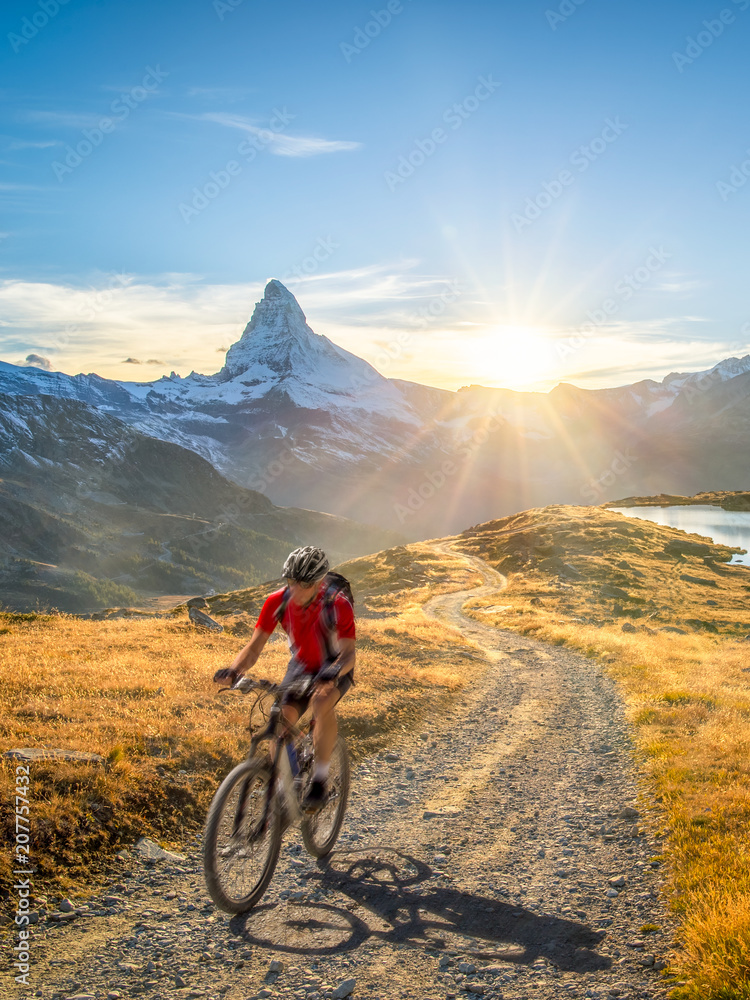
pixel 324 701
pixel 292 707
pixel 325 730
pixel 291 712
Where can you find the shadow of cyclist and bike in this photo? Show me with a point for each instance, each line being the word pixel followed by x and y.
pixel 407 902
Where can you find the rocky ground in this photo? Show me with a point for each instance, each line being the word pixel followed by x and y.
pixel 500 852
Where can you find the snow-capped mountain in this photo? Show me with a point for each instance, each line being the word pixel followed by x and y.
pixel 278 370
pixel 309 424
pixel 85 496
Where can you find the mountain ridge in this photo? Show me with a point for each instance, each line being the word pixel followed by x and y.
pixel 294 416
pixel 86 500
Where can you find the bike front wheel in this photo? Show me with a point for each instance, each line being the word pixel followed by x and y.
pixel 242 837
pixel 320 830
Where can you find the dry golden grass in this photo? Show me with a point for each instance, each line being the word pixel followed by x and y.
pixel 139 693
pixel 688 697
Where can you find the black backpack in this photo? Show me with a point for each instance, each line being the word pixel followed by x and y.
pixel 335 584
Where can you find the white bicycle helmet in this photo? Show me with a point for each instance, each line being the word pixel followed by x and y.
pixel 306 565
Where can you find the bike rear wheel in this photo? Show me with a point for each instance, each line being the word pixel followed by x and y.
pixel 320 830
pixel 242 837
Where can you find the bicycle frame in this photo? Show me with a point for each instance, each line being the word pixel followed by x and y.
pixel 281 732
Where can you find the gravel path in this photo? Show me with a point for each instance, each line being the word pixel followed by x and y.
pixel 496 853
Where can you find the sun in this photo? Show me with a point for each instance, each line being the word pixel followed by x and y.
pixel 512 357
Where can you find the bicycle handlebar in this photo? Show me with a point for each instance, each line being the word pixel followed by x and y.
pixel 246 684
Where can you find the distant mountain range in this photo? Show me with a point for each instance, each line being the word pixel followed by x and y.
pixel 95 513
pixel 308 424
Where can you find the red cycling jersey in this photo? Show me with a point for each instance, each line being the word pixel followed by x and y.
pixel 306 626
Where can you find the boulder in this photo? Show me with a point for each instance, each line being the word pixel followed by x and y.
pixel 344 989
pixel 699 623
pixel 151 851
pixel 682 547
pixel 203 621
pixel 45 753
pixel 627 812
pixel 698 580
pixel 552 564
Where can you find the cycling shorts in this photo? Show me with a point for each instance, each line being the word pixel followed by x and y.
pixel 300 698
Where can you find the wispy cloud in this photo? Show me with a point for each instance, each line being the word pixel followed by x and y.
pixel 676 283
pixel 21 187
pixel 18 144
pixel 376 311
pixel 121 316
pixel 282 143
pixel 663 328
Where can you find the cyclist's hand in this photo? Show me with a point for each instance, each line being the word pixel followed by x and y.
pixel 329 673
pixel 226 674
pixel 326 680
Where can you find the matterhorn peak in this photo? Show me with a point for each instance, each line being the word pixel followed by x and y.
pixel 274 337
pixel 277 301
pixel 278 350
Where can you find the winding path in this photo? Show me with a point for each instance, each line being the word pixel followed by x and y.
pixel 477 859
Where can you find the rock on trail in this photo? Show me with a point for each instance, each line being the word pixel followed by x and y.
pixel 497 853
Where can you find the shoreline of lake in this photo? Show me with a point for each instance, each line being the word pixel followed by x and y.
pixel 724 526
pixel 734 500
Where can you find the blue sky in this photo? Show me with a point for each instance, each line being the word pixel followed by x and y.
pixel 488 192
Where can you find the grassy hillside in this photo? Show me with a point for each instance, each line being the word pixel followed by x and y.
pixel 139 693
pixel 728 499
pixel 93 513
pixel 669 618
pixel 664 612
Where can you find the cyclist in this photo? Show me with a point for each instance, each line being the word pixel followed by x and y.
pixel 319 621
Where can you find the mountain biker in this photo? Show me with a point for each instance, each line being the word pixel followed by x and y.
pixel 320 627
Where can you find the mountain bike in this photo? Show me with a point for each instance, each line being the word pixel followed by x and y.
pixel 260 798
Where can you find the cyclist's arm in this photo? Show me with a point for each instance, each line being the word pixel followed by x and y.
pixel 346 657
pixel 247 656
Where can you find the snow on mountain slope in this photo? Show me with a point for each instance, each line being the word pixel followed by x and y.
pixel 279 353
pixel 309 424
pixel 281 382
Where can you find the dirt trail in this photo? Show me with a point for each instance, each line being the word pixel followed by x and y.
pixel 477 858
